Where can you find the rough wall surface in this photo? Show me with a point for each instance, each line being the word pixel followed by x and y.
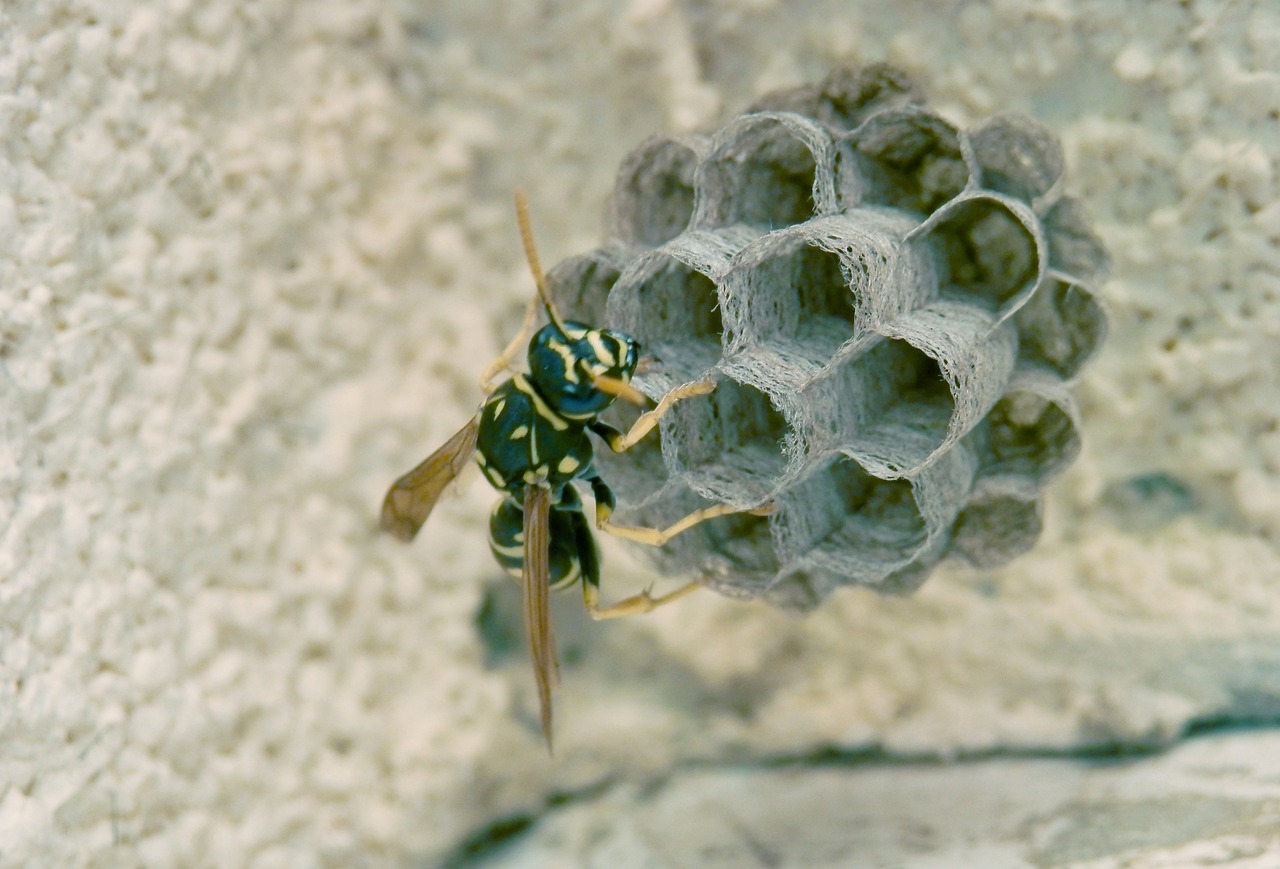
pixel 253 256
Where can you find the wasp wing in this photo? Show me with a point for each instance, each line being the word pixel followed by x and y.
pixel 536 582
pixel 412 497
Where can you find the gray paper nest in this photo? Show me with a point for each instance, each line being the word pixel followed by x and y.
pixel 894 310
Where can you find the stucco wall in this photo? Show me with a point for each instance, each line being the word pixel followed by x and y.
pixel 252 257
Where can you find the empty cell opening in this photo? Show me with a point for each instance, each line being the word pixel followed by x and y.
pixel 1073 248
pixel 851 95
pixel 744 544
pixel 907 417
pixel 580 287
pixel 912 379
pixel 916 157
pixel 1030 437
pixel 654 198
pixel 678 304
pixel 732 441
pixel 986 252
pixel 822 289
pixel 857 394
pixel 826 311
pixel 639 472
pixel 887 507
pixel 872 526
pixel 733 554
pixel 994 531
pixel 1018 156
pixel 764 179
pixel 1060 326
pixel 673 312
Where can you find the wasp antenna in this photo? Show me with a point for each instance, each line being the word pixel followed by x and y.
pixel 619 389
pixel 531 254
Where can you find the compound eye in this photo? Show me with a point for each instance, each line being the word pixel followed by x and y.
pixel 628 356
pixel 624 350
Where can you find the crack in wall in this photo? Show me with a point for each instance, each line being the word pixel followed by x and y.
pixel 506 833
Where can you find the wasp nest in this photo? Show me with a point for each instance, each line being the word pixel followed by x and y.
pixel 894 310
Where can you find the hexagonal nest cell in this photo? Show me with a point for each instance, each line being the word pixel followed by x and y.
pixel 893 309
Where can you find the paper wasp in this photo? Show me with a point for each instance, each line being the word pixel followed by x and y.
pixel 530 440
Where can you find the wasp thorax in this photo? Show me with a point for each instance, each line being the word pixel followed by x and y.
pixel 564 364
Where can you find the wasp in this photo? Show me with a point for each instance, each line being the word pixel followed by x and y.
pixel 531 440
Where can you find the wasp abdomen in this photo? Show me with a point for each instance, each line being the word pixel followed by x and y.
pixel 573 554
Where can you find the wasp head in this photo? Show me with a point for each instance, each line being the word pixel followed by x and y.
pixel 563 365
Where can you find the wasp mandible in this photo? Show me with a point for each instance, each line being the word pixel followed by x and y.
pixel 530 439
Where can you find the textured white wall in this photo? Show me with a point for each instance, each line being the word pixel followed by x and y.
pixel 252 255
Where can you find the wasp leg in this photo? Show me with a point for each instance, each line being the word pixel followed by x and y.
pixel 517 345
pixel 578 533
pixel 600 491
pixel 631 606
pixel 589 558
pixel 606 433
pixel 648 420
pixel 659 536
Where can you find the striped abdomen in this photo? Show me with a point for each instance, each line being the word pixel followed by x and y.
pixel 573 553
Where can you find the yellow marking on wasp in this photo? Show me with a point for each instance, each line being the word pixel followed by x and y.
pixel 543 410
pixel 498 408
pixel 596 340
pixel 542 472
pixel 570 370
pixel 569 578
pixel 533 448
pixel 495 477
pixel 568 465
pixel 509 551
pixel 519 538
pixel 480 459
pixel 519 432
pixel 575 334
